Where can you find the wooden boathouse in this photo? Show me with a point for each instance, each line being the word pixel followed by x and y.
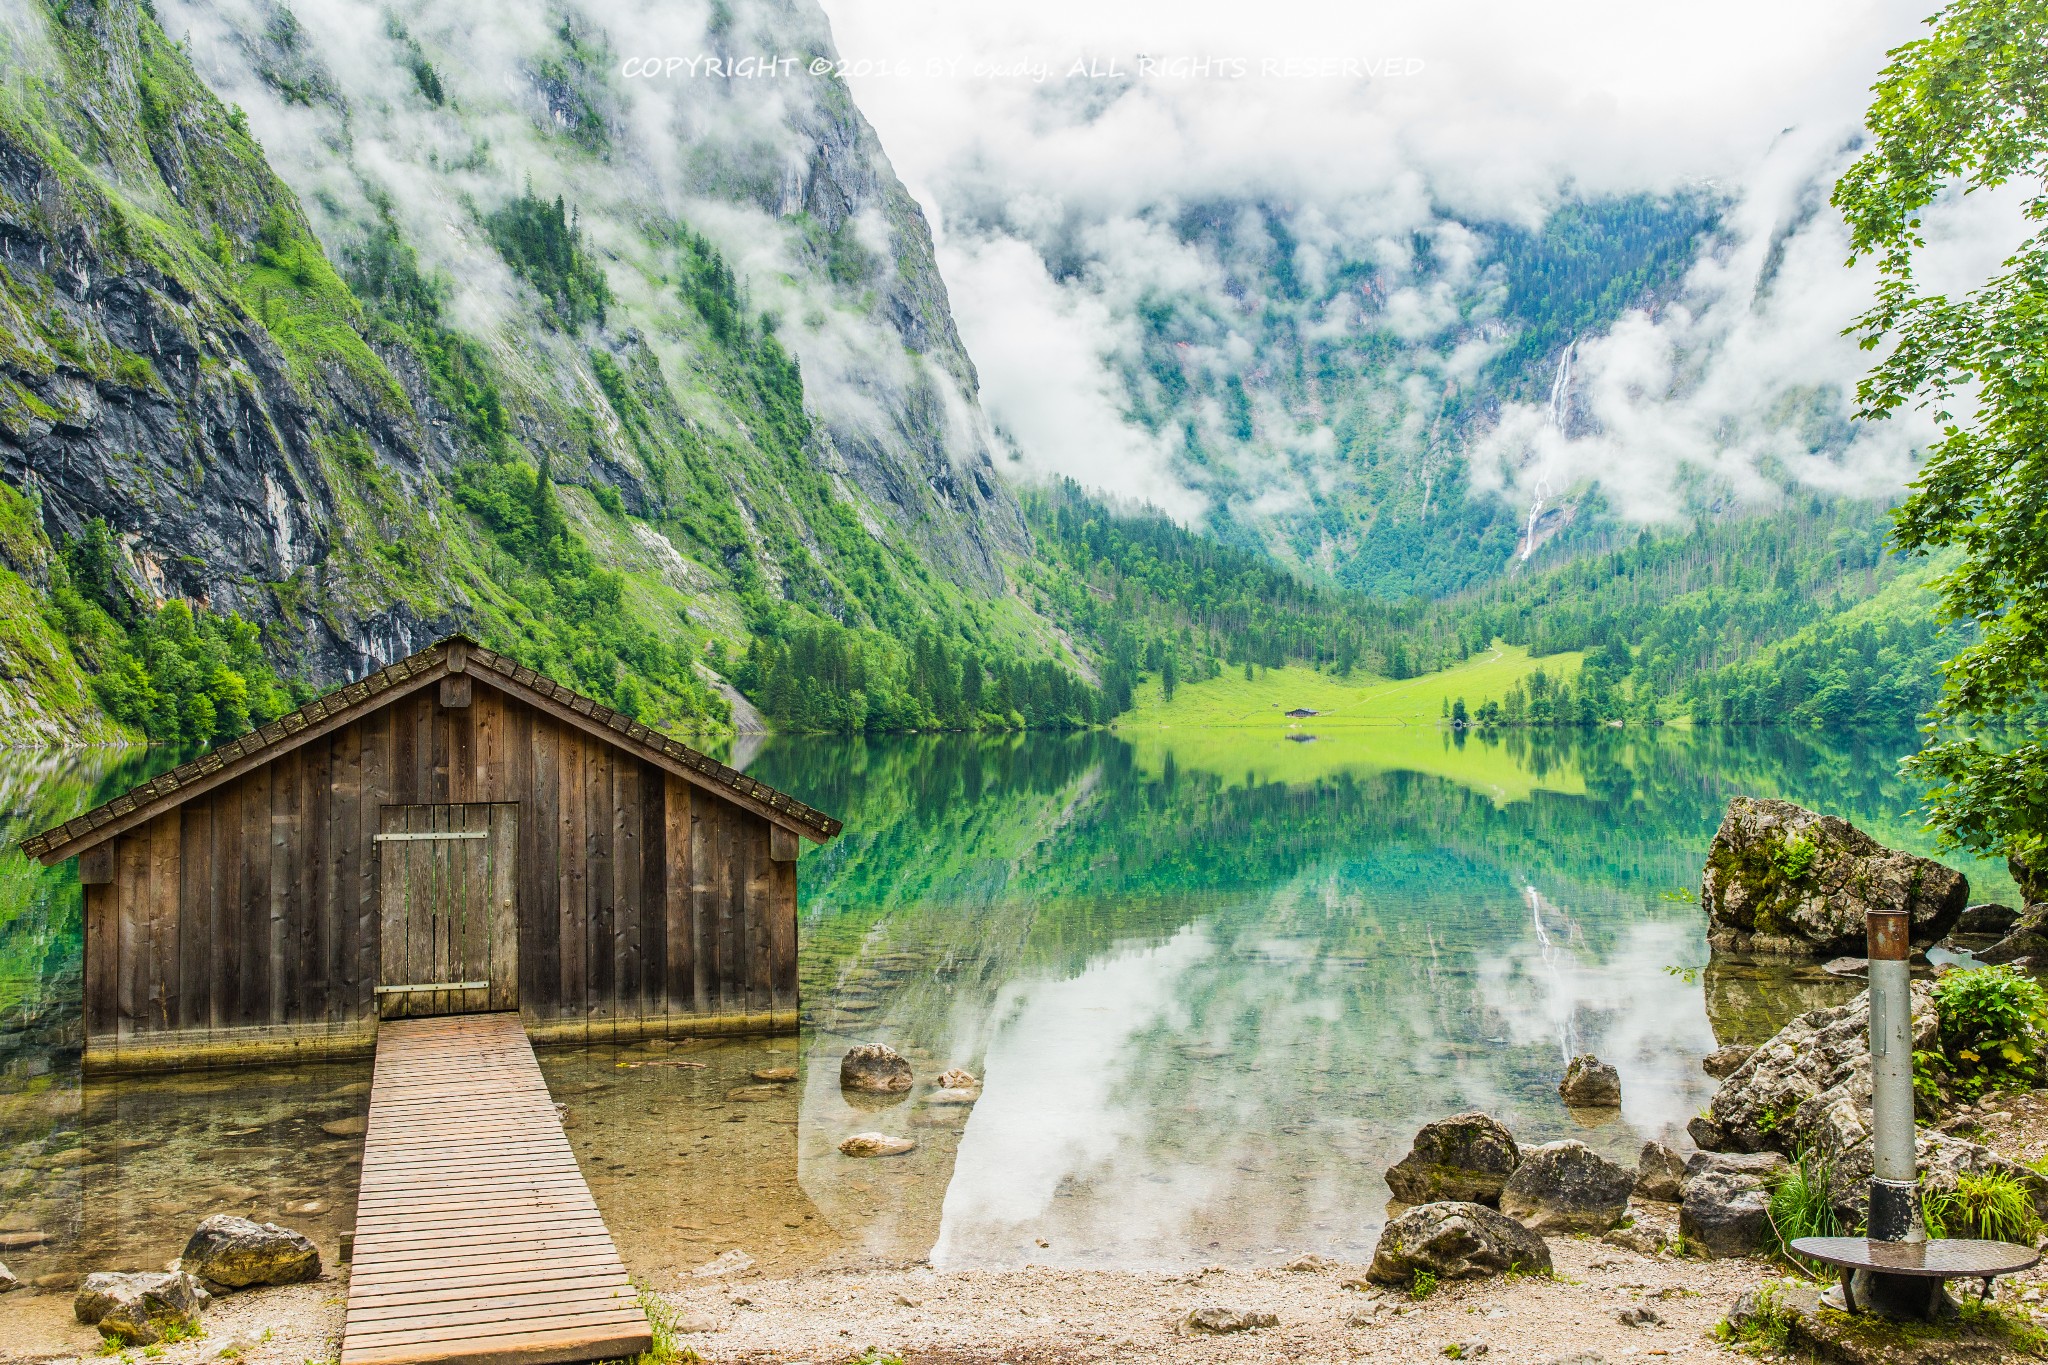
pixel 453 834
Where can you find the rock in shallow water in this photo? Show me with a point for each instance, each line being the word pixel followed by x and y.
pixel 956 1079
pixel 1465 1157
pixel 1567 1187
pixel 1590 1083
pixel 877 1144
pixel 1456 1240
pixel 874 1067
pixel 8 1280
pixel 776 1075
pixel 141 1309
pixel 1986 920
pixel 237 1253
pixel 1781 879
pixel 2027 938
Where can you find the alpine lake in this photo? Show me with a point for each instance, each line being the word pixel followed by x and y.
pixel 1213 983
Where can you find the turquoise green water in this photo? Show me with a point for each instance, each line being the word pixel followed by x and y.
pixel 1212 985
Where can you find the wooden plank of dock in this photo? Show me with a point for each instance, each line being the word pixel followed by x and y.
pixel 477 1241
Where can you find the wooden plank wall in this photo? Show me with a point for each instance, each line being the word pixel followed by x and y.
pixel 647 905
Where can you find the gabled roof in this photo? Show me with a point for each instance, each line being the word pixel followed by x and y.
pixel 330 712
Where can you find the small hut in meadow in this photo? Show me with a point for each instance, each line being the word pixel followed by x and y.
pixel 453 833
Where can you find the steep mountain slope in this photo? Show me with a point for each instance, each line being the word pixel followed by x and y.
pixel 606 374
pixel 1322 391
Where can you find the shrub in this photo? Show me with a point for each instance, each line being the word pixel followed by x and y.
pixel 1423 1285
pixel 1994 1023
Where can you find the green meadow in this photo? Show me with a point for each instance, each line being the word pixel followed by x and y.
pixel 1262 702
pixel 1239 729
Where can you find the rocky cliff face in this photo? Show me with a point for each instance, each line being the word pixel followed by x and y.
pixel 287 289
pixel 434 122
pixel 137 383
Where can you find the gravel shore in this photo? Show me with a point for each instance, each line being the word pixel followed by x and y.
pixel 1061 1316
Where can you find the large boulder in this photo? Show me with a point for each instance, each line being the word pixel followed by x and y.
pixel 227 1252
pixel 1465 1157
pixel 140 1309
pixel 1590 1083
pixel 1805 1078
pixel 1567 1187
pixel 1725 1204
pixel 1456 1240
pixel 2026 937
pixel 1781 879
pixel 875 1068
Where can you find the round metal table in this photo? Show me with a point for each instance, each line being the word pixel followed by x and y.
pixel 1946 1258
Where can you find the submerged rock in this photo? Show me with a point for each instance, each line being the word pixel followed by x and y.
pixel 2027 937
pixel 1725 1208
pixel 1455 1240
pixel 1216 1322
pixel 7 1279
pixel 1987 919
pixel 1590 1083
pixel 957 1079
pixel 140 1309
pixel 1567 1187
pixel 877 1144
pixel 874 1067
pixel 237 1253
pixel 1466 1157
pixel 1781 879
pixel 775 1075
pixel 1659 1173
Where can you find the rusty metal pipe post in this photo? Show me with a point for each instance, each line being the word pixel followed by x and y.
pixel 1894 1178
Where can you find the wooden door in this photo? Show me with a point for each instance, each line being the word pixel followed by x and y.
pixel 448 909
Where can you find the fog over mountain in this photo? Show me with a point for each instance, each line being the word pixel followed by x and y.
pixel 1320 289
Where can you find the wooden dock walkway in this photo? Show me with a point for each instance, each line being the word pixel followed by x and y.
pixel 476 1239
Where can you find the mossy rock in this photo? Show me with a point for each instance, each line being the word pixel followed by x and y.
pixel 1784 880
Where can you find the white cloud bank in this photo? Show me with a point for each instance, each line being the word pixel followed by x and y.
pixel 1047 191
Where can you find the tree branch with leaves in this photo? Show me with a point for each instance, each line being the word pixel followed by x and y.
pixel 1964 110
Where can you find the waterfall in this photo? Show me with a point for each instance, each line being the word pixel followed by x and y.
pixel 1560 397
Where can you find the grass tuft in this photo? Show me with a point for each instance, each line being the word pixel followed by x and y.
pixel 1988 1204
pixel 1802 1206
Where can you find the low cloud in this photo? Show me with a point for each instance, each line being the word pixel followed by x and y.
pixel 1062 197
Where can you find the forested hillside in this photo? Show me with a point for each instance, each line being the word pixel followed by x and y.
pixel 1801 616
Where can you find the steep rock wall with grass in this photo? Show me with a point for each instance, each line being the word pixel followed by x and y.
pixel 618 377
pixel 140 231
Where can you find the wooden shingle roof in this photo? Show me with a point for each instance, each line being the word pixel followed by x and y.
pixel 347 703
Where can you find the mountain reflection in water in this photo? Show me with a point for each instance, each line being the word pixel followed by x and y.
pixel 1213 984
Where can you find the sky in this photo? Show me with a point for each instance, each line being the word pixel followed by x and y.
pixel 1027 129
